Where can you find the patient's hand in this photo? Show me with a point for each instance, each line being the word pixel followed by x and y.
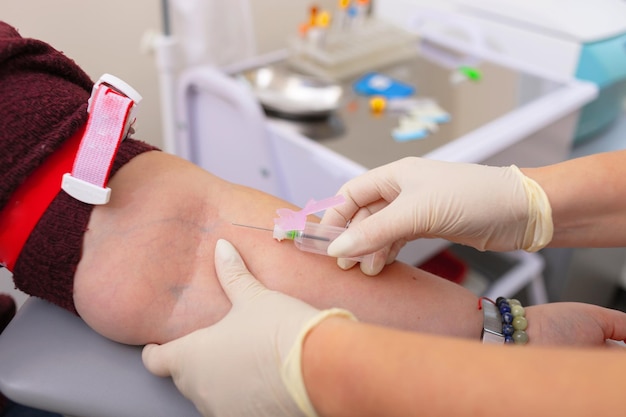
pixel 574 324
pixel 147 273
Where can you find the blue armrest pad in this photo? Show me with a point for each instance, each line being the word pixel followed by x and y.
pixel 51 360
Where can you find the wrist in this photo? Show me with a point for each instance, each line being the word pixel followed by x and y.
pixel 540 228
pixel 292 372
pixel 321 357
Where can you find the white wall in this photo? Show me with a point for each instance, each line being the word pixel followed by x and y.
pixel 106 36
pixel 103 36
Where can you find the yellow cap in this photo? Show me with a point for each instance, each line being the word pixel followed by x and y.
pixel 378 104
pixel 322 19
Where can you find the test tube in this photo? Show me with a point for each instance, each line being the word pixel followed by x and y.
pixel 316 238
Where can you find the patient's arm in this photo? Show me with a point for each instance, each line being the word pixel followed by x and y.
pixel 147 275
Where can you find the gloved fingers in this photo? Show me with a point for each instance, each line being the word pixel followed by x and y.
pixel 238 283
pixel 396 247
pixel 366 211
pixel 383 257
pixel 373 264
pixel 345 213
pixel 345 263
pixel 337 216
pixel 351 243
pixel 375 261
pixel 362 191
pixel 361 214
pixel 380 183
pixel 159 359
pixel 379 260
pixel 373 233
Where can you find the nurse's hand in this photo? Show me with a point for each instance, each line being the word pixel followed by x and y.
pixel 248 364
pixel 488 208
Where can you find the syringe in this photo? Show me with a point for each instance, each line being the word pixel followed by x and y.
pixel 314 238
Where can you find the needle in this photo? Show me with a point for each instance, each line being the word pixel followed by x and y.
pixel 290 235
pixel 252 227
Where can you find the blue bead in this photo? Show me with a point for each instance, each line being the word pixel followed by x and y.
pixel 508 339
pixel 505 308
pixel 507 318
pixel 507 329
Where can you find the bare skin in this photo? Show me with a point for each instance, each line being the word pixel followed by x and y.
pixel 147 272
pixel 408 374
pixel 587 198
pixel 147 269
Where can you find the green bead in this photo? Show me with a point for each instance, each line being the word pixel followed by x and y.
pixel 517 311
pixel 520 337
pixel 514 302
pixel 520 323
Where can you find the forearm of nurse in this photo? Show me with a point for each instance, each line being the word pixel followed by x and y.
pixel 355 369
pixel 587 199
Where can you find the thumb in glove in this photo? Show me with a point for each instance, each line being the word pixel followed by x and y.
pixel 249 363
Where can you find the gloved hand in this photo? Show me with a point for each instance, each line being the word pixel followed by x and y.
pixel 488 208
pixel 248 364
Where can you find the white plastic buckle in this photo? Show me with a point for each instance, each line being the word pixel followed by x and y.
pixel 121 87
pixel 85 191
pixel 118 85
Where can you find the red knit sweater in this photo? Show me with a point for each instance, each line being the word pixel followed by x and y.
pixel 43 102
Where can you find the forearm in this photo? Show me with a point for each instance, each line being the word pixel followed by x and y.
pixel 587 198
pixel 354 369
pixel 147 273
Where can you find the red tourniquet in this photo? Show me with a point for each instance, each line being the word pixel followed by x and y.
pixel 88 155
pixel 28 203
pixel 43 103
pixel 109 117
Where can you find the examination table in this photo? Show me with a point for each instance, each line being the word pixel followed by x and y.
pixel 51 360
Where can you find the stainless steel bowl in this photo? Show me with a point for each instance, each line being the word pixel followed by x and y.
pixel 287 93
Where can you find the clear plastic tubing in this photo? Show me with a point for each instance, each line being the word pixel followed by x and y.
pixel 316 238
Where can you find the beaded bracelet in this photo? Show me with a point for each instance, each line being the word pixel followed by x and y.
pixel 514 321
pixel 512 318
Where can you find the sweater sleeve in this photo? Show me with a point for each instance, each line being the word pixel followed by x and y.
pixel 43 103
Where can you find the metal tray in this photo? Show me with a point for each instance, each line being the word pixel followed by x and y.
pixel 284 92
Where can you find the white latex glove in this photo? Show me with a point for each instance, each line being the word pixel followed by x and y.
pixel 488 208
pixel 248 364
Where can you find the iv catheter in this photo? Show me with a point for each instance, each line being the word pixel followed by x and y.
pixel 314 238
